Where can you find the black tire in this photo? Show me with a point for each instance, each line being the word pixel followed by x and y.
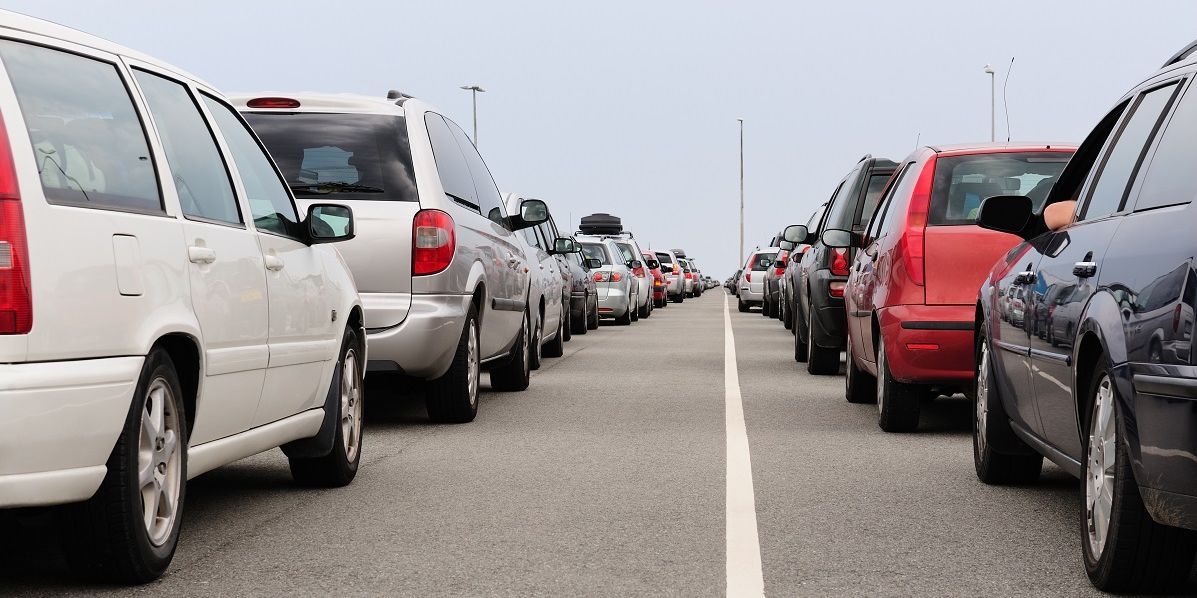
pixel 567 321
pixel 820 361
pixel 633 310
pixel 581 325
pixel 535 347
pixel 999 456
pixel 801 330
pixel 678 298
pixel 593 323
pixel 453 398
pixel 514 375
pixel 647 309
pixel 556 347
pixel 898 404
pixel 859 385
pixel 787 314
pixel 1139 555
pixel 626 318
pixel 106 537
pixel 339 466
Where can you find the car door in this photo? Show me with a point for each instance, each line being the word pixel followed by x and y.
pixel 874 262
pixel 1074 255
pixel 558 288
pixel 1009 340
pixel 304 330
pixel 226 270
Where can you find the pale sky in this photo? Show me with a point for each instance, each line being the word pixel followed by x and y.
pixel 630 107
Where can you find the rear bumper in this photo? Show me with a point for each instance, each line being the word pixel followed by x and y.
pixel 613 304
pixel 58 424
pixel 832 332
pixel 1162 439
pixel 944 335
pixel 749 295
pixel 577 305
pixel 422 345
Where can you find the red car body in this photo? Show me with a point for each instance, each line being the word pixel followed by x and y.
pixel 660 287
pixel 913 286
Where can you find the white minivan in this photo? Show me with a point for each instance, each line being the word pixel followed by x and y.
pixel 164 309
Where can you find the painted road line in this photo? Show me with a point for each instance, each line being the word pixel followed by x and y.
pixel 744 576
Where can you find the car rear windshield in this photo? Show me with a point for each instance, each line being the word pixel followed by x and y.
pixel 761 262
pixel 342 156
pixel 963 182
pixel 596 251
pixel 628 252
pixel 664 258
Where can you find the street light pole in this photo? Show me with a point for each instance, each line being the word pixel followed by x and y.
pixel 741 254
pixel 992 104
pixel 474 89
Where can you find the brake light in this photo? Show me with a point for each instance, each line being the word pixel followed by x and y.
pixel 748 276
pixel 16 297
pixel 676 270
pixel 922 346
pixel 433 242
pixel 912 243
pixel 272 103
pixel 836 288
pixel 689 276
pixel 639 272
pixel 839 262
pixel 615 277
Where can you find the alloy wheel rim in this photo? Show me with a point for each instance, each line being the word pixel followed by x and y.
pixel 881 378
pixel 982 395
pixel 472 366
pixel 351 405
pixel 1099 468
pixel 848 360
pixel 158 461
pixel 527 353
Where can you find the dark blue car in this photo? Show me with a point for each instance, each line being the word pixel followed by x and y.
pixel 1103 380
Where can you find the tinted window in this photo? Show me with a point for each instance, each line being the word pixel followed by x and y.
pixel 963 182
pixel 1171 178
pixel 761 262
pixel 340 156
pixel 201 179
pixel 872 196
pixel 450 164
pixel 269 202
pixel 812 225
pixel 839 211
pixel 490 202
pixel 1122 160
pixel 896 198
pixel 532 237
pixel 596 251
pixel 88 140
pixel 664 258
pixel 628 252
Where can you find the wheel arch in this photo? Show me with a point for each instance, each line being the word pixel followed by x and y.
pixel 184 351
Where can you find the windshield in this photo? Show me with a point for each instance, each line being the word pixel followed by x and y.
pixel 341 156
pixel 596 251
pixel 963 182
pixel 761 262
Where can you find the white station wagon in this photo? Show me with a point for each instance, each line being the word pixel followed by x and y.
pixel 164 309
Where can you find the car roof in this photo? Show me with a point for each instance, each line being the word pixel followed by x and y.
pixel 324 102
pixel 982 147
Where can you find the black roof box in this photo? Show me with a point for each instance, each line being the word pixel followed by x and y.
pixel 600 224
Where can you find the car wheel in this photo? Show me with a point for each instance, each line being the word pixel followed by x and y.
pixel 787 313
pixel 339 466
pixel 897 403
pixel 801 331
pixel 128 530
pixel 515 374
pixel 567 322
pixel 593 323
pixel 535 346
pixel 626 318
pixel 453 398
pixel 859 385
pixel 646 309
pixel 556 347
pixel 634 310
pixel 582 324
pixel 820 361
pixel 1000 457
pixel 1124 549
pixel 740 305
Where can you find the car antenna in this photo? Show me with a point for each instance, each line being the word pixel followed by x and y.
pixel 917 136
pixel 1004 104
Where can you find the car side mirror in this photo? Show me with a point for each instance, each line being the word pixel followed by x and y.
pixel 532 212
pixel 795 233
pixel 564 245
pixel 594 262
pixel 839 238
pixel 652 264
pixel 329 223
pixel 633 264
pixel 1006 213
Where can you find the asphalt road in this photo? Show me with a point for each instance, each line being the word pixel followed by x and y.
pixel 607 477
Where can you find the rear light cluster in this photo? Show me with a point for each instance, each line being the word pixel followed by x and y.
pixel 433 242
pixel 676 270
pixel 912 243
pixel 273 103
pixel 779 266
pixel 836 288
pixel 839 262
pixel 604 276
pixel 638 272
pixel 689 276
pixel 16 296
pixel 748 277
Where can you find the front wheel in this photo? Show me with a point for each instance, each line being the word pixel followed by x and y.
pixel 898 403
pixel 517 372
pixel 339 466
pixel 992 432
pixel 740 305
pixel 127 532
pixel 556 347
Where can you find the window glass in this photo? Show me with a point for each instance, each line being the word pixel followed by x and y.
pixel 839 210
pixel 816 219
pixel 88 140
pixel 340 156
pixel 963 182
pixel 876 222
pixel 665 259
pixel 872 196
pixel 761 262
pixel 1122 160
pixel 628 252
pixel 490 202
pixel 201 178
pixel 269 201
pixel 1171 178
pixel 450 164
pixel 596 251
pixel 531 236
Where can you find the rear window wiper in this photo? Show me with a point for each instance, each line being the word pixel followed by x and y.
pixel 335 187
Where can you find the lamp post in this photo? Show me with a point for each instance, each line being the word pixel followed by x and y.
pixel 741 254
pixel 992 104
pixel 474 89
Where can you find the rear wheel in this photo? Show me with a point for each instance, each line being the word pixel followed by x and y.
pixel 581 325
pixel 633 310
pixel 593 322
pixel 516 373
pixel 801 331
pixel 991 432
pixel 1124 549
pixel 820 360
pixel 453 398
pixel 339 466
pixel 859 385
pixel 127 532
pixel 898 403
pixel 626 318
pixel 556 347
pixel 567 322
pixel 740 305
pixel 535 346
pixel 646 309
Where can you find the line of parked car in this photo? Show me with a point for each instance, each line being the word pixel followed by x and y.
pixel 170 301
pixel 939 273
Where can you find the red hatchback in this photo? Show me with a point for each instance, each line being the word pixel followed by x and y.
pixel 912 293
pixel 660 286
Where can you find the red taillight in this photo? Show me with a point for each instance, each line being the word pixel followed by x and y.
pixel 779 270
pixel 912 242
pixel 839 262
pixel 272 103
pixel 676 270
pixel 689 276
pixel 922 346
pixel 639 272
pixel 748 276
pixel 836 288
pixel 615 277
pixel 433 242
pixel 600 277
pixel 16 296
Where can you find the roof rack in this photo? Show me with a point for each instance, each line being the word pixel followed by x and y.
pixel 1184 53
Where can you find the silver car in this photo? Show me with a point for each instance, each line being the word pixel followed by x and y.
pixel 439 264
pixel 617 288
pixel 752 283
pixel 548 297
pixel 644 279
pixel 675 279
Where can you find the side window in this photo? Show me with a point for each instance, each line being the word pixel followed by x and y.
pixel 269 200
pixel 200 176
pixel 89 142
pixel 450 163
pixel 490 202
pixel 875 223
pixel 1171 178
pixel 531 236
pixel 1123 159
pixel 871 198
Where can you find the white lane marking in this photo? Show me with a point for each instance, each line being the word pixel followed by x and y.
pixel 744 576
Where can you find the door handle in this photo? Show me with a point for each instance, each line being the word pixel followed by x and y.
pixel 513 261
pixel 1027 277
pixel 1084 269
pixel 201 255
pixel 274 263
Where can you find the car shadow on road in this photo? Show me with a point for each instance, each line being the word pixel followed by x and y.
pixel 947 416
